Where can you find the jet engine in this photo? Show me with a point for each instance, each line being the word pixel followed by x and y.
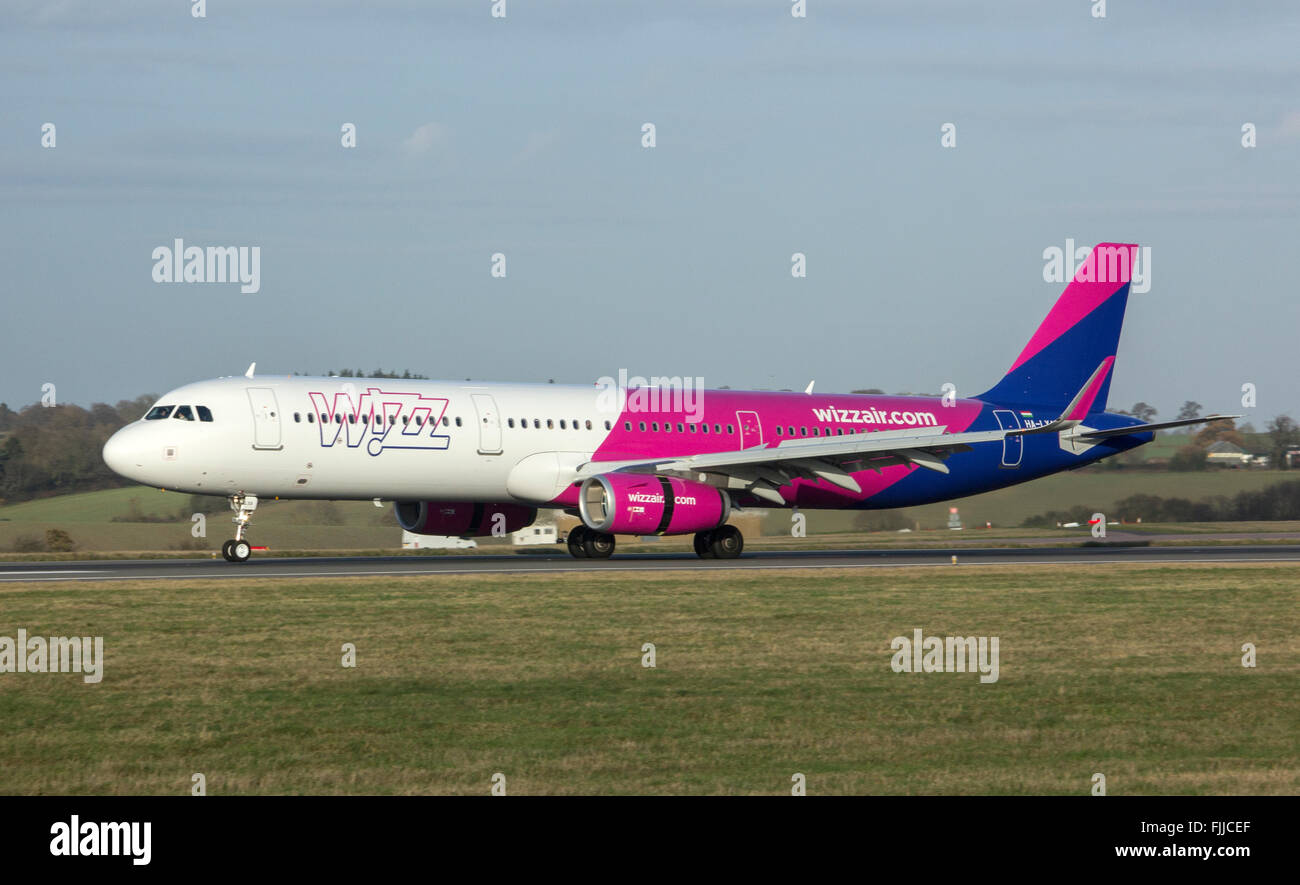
pixel 638 504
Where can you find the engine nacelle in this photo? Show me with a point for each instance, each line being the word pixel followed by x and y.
pixel 639 504
pixel 461 520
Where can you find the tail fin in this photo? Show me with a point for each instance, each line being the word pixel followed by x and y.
pixel 1080 334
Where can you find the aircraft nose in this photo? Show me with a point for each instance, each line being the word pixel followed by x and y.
pixel 123 453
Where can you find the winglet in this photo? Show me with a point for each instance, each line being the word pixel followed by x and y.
pixel 808 389
pixel 251 367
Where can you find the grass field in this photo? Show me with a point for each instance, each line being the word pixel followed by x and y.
pixel 1132 671
pixel 351 525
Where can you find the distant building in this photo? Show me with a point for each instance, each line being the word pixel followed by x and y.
pixel 534 534
pixel 1227 454
pixel 412 541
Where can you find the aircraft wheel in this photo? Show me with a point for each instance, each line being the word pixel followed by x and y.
pixel 727 542
pixel 598 545
pixel 225 550
pixel 704 545
pixel 577 535
pixel 240 551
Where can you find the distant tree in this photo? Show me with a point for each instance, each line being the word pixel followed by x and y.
pixel 1284 434
pixel 869 391
pixel 1189 410
pixel 1143 412
pixel 1247 428
pixel 1217 431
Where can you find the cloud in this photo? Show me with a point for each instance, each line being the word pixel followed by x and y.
pixel 1289 128
pixel 534 144
pixel 425 138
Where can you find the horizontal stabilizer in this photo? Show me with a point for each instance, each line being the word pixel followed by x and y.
pixel 1146 428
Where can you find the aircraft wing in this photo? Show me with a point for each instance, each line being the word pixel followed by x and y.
pixel 761 469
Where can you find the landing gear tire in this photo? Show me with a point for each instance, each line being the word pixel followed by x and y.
pixel 577 535
pixel 703 545
pixel 727 542
pixel 239 551
pixel 598 545
pixel 225 550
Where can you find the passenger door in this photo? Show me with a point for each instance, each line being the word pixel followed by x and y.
pixel 266 418
pixel 489 424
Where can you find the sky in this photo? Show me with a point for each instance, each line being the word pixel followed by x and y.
pixel 523 136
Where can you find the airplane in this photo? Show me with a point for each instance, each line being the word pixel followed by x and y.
pixel 469 459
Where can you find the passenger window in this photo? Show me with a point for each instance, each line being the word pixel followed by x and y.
pixel 158 412
pixel 510 422
pixel 607 426
pixel 184 413
pixel 815 431
pixel 338 417
pixel 654 425
pixel 627 425
pixel 588 423
pixel 311 417
pixel 562 424
pixel 704 427
pixel 297 418
pixel 731 428
pixel 803 431
pixel 778 430
pixel 717 428
pixel 790 430
pixel 458 424
pixel 692 427
pixel 204 413
pixel 537 424
pixel 642 426
pixel 352 419
pixel 681 428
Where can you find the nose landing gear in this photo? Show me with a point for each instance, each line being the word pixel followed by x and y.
pixel 238 549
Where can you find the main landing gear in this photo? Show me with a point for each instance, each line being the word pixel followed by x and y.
pixel 724 542
pixel 238 549
pixel 586 544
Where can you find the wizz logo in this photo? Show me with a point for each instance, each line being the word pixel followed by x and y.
pixel 381 419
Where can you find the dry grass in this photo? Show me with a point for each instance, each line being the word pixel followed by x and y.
pixel 1130 670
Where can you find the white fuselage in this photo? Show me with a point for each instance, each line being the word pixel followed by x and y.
pixel 340 438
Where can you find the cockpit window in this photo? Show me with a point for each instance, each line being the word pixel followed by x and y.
pixel 158 412
pixel 184 413
pixel 205 414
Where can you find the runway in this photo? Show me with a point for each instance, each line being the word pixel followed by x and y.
pixel 557 562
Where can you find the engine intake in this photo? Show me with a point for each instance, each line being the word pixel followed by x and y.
pixel 636 504
pixel 459 519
